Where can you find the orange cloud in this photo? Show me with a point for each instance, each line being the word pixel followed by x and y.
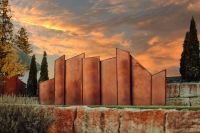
pixel 154 40
pixel 94 46
pixel 162 56
pixel 168 2
pixel 195 6
pixel 53 22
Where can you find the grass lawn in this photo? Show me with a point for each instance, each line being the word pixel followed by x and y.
pixel 194 108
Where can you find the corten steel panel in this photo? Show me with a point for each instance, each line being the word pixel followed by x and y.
pixel 109 82
pixel 159 88
pixel 47 92
pixel 20 87
pixel 10 87
pixel 59 75
pixel 74 80
pixel 91 81
pixel 141 84
pixel 123 77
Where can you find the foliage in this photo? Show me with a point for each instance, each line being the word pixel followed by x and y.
pixel 6 26
pixel 32 79
pixel 21 40
pixel 183 56
pixel 190 58
pixel 44 69
pixel 24 58
pixel 12 65
pixel 24 119
pixel 3 54
pixel 6 43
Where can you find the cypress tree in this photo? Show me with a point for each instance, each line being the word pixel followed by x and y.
pixel 44 69
pixel 32 79
pixel 184 59
pixel 190 59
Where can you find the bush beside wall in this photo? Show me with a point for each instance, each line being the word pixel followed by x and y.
pixel 24 119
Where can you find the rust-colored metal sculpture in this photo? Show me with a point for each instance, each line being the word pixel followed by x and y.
pixel 109 82
pixel 159 88
pixel 121 80
pixel 47 92
pixel 74 80
pixel 123 77
pixel 59 76
pixel 91 81
pixel 141 84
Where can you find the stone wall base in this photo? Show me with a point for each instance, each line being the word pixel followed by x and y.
pixel 104 120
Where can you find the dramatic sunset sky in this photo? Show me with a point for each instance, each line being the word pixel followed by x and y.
pixel 153 30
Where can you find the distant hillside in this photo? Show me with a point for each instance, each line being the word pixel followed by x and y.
pixel 24 58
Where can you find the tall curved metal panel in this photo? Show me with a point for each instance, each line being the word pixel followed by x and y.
pixel 74 80
pixel 91 81
pixel 159 88
pixel 47 92
pixel 59 75
pixel 123 77
pixel 109 82
pixel 141 84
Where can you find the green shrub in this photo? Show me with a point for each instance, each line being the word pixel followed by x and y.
pixel 24 119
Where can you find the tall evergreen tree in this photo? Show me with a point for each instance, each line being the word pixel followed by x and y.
pixel 44 69
pixel 184 59
pixel 6 43
pixel 32 79
pixel 190 60
pixel 6 24
pixel 21 40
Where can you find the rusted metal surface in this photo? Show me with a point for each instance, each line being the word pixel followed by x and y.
pixel 109 82
pixel 141 84
pixel 47 92
pixel 121 80
pixel 159 88
pixel 21 87
pixel 59 76
pixel 10 86
pixel 74 80
pixel 123 77
pixel 91 81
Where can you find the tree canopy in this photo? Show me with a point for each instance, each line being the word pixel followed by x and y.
pixel 190 58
